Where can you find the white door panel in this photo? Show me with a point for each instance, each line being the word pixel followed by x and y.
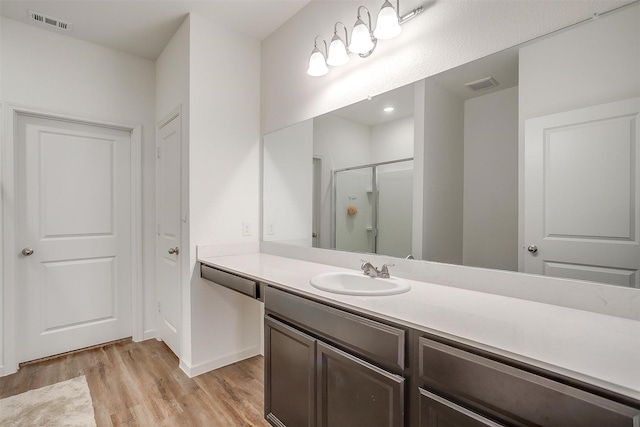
pixel 169 224
pixel 582 194
pixel 74 210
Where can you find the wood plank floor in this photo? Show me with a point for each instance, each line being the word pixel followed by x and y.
pixel 140 384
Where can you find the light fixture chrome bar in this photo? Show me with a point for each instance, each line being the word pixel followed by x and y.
pixel 409 16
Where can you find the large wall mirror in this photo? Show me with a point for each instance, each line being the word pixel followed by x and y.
pixel 525 160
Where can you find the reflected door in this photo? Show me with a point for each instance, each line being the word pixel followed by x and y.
pixel 582 192
pixel 74 232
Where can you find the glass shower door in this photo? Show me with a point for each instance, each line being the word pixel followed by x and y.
pixel 354 213
pixel 394 212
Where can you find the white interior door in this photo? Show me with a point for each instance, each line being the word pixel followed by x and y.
pixel 582 194
pixel 74 236
pixel 168 241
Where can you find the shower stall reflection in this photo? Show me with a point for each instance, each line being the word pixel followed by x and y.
pixel 373 208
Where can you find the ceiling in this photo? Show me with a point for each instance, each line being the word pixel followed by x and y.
pixel 144 27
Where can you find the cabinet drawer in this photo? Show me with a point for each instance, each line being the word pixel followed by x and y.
pixel 438 412
pixel 228 280
pixel 374 340
pixel 518 397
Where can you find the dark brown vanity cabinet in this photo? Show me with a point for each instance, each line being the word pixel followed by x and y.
pixel 309 381
pixel 290 375
pixel 461 388
pixel 327 367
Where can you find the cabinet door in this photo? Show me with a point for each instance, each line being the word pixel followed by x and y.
pixel 438 412
pixel 354 393
pixel 290 379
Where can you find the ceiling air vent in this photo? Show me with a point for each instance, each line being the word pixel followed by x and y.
pixel 486 83
pixel 49 21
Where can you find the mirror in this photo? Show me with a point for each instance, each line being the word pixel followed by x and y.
pixel 456 175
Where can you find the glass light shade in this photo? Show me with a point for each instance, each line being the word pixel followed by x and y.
pixel 317 64
pixel 387 26
pixel 337 52
pixel 360 38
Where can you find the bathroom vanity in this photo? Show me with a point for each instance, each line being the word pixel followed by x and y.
pixel 432 356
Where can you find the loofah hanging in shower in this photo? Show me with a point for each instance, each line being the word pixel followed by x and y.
pixel 352 209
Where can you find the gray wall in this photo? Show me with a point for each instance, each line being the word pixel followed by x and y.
pixel 490 237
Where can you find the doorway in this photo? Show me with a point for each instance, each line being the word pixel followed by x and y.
pixel 71 206
pixel 73 234
pixel 168 254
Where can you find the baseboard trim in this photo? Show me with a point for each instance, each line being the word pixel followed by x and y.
pixel 151 333
pixel 194 371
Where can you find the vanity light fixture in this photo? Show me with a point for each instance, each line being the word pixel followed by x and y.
pixel 363 38
pixel 338 54
pixel 388 109
pixel 362 41
pixel 388 23
pixel 317 61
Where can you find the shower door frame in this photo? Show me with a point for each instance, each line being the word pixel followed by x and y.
pixel 374 198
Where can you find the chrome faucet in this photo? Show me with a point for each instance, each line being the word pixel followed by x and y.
pixel 371 271
pixel 384 271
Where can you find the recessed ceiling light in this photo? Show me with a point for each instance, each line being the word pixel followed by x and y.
pixel 388 109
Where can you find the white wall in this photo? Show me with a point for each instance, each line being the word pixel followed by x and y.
pixel 60 74
pixel 443 175
pixel 613 73
pixel 172 91
pixel 224 181
pixel 490 236
pixel 288 178
pixel 392 140
pixel 2 268
pixel 172 77
pixel 447 34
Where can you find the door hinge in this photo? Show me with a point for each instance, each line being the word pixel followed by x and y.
pixel 158 229
pixel 159 309
pixel 158 151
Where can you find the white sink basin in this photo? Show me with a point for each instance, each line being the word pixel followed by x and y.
pixel 358 284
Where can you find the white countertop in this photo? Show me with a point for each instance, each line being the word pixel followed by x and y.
pixel 594 348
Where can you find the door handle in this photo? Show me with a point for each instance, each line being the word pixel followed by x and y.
pixel 533 249
pixel 27 251
pixel 174 250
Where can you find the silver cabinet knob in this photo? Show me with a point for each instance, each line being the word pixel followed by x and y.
pixel 533 249
pixel 27 251
pixel 174 250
